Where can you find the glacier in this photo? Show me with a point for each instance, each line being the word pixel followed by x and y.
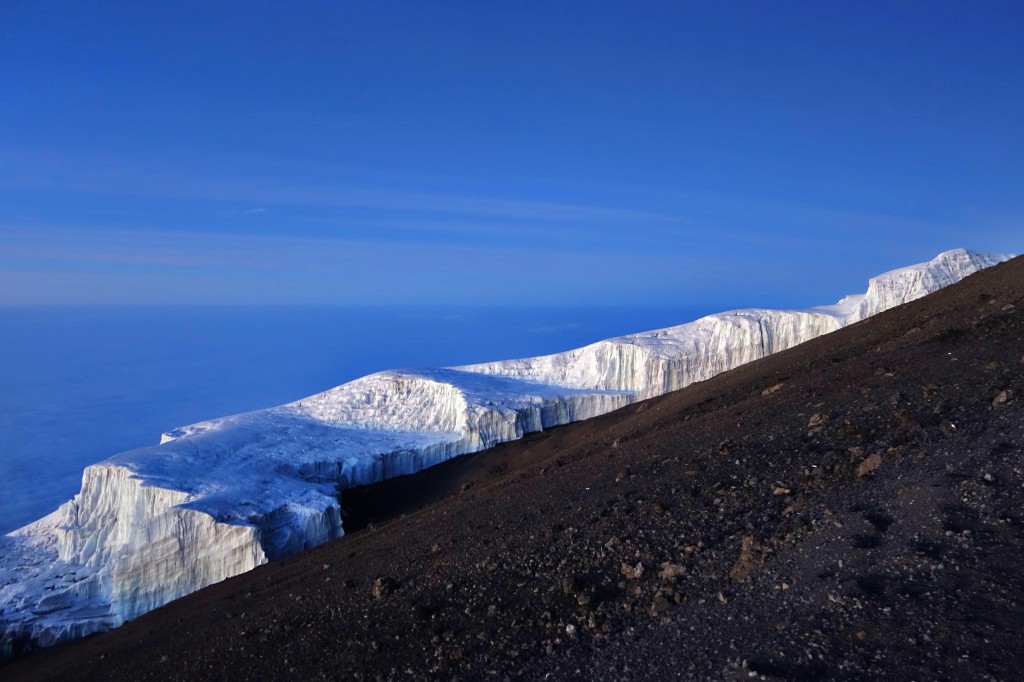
pixel 220 497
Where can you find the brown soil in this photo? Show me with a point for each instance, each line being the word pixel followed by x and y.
pixel 850 509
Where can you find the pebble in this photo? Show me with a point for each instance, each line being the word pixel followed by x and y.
pixel 869 465
pixel 817 419
pixel 1002 398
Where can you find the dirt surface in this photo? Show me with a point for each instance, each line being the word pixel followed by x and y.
pixel 850 509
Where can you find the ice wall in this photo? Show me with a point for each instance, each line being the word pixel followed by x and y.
pixel 220 497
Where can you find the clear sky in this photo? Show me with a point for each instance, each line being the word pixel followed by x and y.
pixel 747 153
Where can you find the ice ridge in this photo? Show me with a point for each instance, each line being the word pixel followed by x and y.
pixel 221 497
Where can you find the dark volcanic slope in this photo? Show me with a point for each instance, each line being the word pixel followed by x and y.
pixel 850 509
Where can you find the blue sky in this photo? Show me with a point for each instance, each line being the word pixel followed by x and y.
pixel 761 153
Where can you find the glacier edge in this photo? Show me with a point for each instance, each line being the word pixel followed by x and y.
pixel 221 497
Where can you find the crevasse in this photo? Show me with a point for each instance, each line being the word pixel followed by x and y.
pixel 220 497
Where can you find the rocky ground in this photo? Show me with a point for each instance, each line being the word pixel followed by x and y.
pixel 850 509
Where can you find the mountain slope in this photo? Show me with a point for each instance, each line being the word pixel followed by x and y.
pixel 220 497
pixel 852 508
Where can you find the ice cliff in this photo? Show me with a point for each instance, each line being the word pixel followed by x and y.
pixel 220 497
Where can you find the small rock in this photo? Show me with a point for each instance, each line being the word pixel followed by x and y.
pixel 1002 398
pixel 772 389
pixel 660 604
pixel 793 508
pixel 382 587
pixel 632 572
pixel 869 465
pixel 778 491
pixel 570 630
pixel 817 419
pixel 813 479
pixel 670 572
pixel 751 558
